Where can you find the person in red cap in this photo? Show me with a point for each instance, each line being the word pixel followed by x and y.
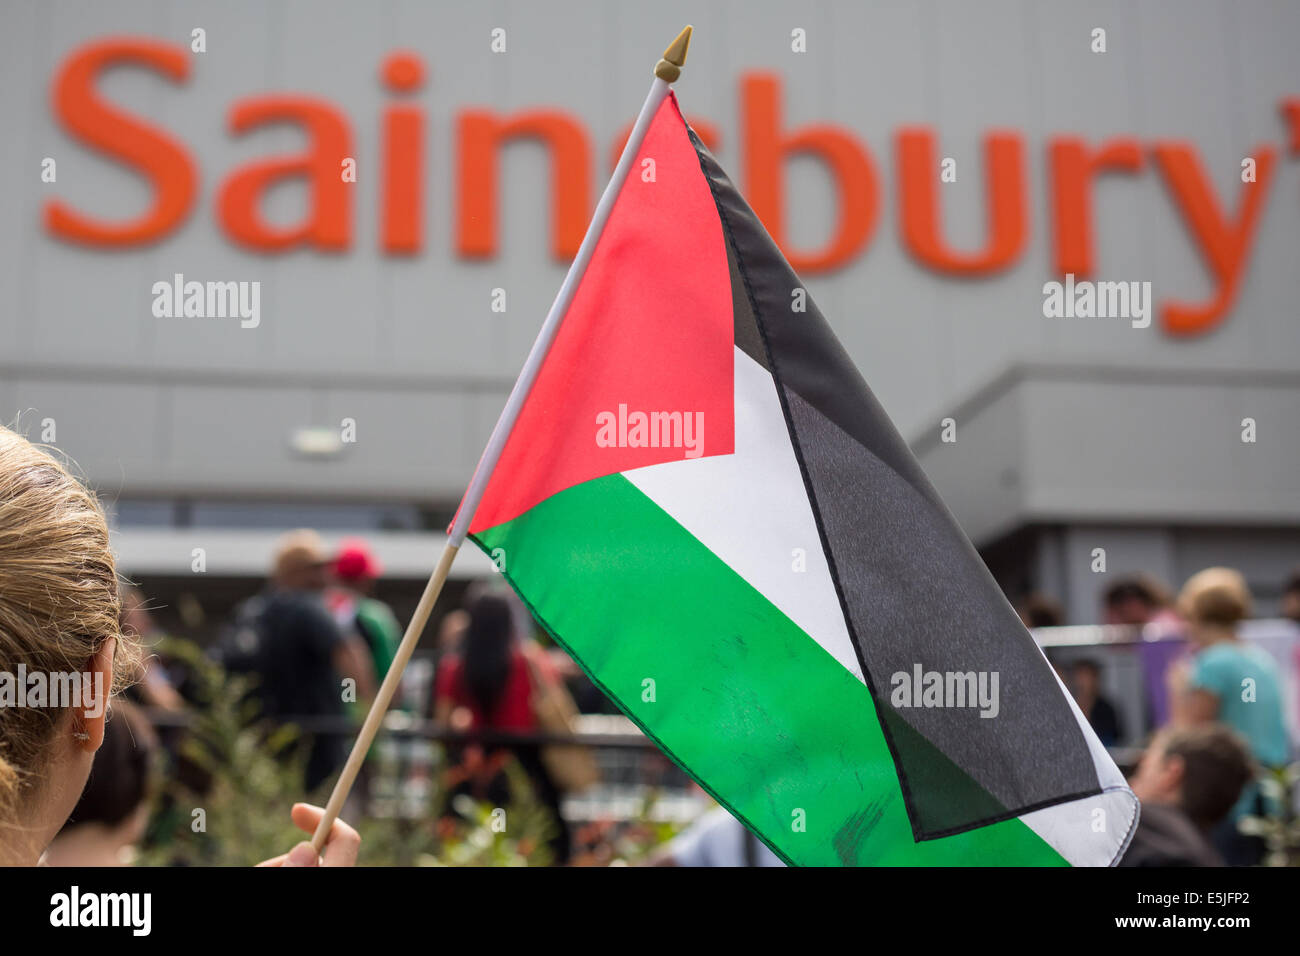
pixel 357 611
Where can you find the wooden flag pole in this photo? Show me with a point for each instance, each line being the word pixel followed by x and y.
pixel 666 71
pixel 375 716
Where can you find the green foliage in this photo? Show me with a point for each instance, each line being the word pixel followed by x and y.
pixel 244 776
pixel 627 842
pixel 229 791
pixel 1280 828
pixel 478 834
pixel 636 842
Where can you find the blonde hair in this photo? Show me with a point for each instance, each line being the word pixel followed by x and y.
pixel 1215 596
pixel 58 599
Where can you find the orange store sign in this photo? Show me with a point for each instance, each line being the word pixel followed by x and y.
pixel 1220 227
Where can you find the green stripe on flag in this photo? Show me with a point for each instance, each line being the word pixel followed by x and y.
pixel 746 702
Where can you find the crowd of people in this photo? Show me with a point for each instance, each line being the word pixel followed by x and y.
pixel 317 632
pixel 316 642
pixel 1220 715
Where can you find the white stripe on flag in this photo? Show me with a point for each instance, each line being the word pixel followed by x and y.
pixel 751 510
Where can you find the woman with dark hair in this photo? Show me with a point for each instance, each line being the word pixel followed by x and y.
pixel 488 685
pixel 109 819
pixel 489 661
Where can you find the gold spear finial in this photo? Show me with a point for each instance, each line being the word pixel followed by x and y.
pixel 670 67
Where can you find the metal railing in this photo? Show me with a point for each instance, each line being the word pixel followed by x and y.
pixel 631 765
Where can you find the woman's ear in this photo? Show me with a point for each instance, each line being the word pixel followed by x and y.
pixel 89 717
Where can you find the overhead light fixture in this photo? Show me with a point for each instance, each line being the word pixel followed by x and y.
pixel 323 442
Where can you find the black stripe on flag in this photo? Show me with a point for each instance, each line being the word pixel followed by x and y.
pixel 913 590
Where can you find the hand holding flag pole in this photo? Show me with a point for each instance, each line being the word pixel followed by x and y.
pixel 666 72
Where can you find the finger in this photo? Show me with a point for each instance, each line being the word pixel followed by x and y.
pixel 301 855
pixel 274 861
pixel 306 817
pixel 342 846
pixel 343 842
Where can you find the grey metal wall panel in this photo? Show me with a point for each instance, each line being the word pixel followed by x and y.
pixel 419 331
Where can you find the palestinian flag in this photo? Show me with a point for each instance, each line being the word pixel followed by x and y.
pixel 704 504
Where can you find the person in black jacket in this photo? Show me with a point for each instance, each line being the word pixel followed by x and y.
pixel 288 639
pixel 1187 781
pixel 1085 684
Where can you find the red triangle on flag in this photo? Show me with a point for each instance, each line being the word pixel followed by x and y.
pixel 650 330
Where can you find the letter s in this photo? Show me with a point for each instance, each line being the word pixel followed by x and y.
pixel 150 151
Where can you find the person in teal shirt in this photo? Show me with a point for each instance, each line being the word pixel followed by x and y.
pixel 1231 682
